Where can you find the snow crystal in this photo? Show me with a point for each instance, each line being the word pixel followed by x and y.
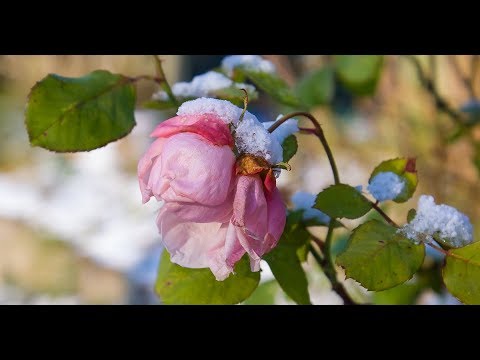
pixel 252 138
pixel 386 186
pixel 224 109
pixel 446 221
pixel 249 62
pixel 288 128
pixel 250 135
pixel 202 85
pixel 304 201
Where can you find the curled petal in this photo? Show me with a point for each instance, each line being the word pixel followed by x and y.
pixel 259 217
pixel 194 245
pixel 190 169
pixel 145 166
pixel 208 126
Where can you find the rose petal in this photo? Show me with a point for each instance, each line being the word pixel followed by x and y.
pixel 190 169
pixel 209 126
pixel 194 245
pixel 145 165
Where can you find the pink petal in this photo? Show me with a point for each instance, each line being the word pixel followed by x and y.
pixel 145 165
pixel 194 245
pixel 259 216
pixel 190 169
pixel 209 126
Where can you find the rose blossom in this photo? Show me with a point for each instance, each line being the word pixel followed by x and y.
pixel 217 206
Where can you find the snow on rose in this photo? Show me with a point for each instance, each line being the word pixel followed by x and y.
pixel 217 206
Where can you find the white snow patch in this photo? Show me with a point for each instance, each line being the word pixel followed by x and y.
pixel 249 62
pixel 202 86
pixel 224 109
pixel 252 138
pixel 304 201
pixel 386 186
pixel 288 128
pixel 250 135
pixel 450 224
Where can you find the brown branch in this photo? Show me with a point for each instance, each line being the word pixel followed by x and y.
pixel 440 102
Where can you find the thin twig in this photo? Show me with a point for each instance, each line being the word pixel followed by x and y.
pixel 467 83
pixel 318 132
pixel 440 102
pixel 320 243
pixel 384 215
pixel 164 83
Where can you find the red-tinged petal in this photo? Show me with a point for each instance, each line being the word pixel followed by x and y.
pixel 209 126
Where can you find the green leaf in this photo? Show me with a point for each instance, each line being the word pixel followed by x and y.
pixel 234 95
pixel 274 86
pixel 461 273
pixel 404 294
pixel 476 157
pixel 317 87
pixel 158 105
pixel 290 146
pixel 80 114
pixel 411 214
pixel 359 73
pixel 179 285
pixel 264 294
pixel 288 271
pixel 341 200
pixel 406 169
pixel 379 258
pixel 285 262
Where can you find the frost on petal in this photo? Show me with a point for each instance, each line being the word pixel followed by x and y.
pixel 304 201
pixel 224 109
pixel 202 86
pixel 448 223
pixel 386 186
pixel 248 62
pixel 288 128
pixel 252 138
pixel 250 135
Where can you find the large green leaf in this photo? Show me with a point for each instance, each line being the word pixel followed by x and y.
pixel 273 85
pixel 287 269
pixel 359 73
pixel 317 87
pixel 285 259
pixel 179 285
pixel 403 294
pixel 379 258
pixel 264 294
pixel 406 169
pixel 80 114
pixel 290 146
pixel 341 200
pixel 461 273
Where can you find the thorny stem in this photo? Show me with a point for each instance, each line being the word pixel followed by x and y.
pixel 317 131
pixel 320 243
pixel 384 215
pixel 164 83
pixel 427 83
pixel 328 264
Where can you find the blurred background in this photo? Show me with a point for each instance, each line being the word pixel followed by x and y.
pixel 72 226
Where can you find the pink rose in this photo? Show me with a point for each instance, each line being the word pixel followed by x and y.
pixel 217 207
